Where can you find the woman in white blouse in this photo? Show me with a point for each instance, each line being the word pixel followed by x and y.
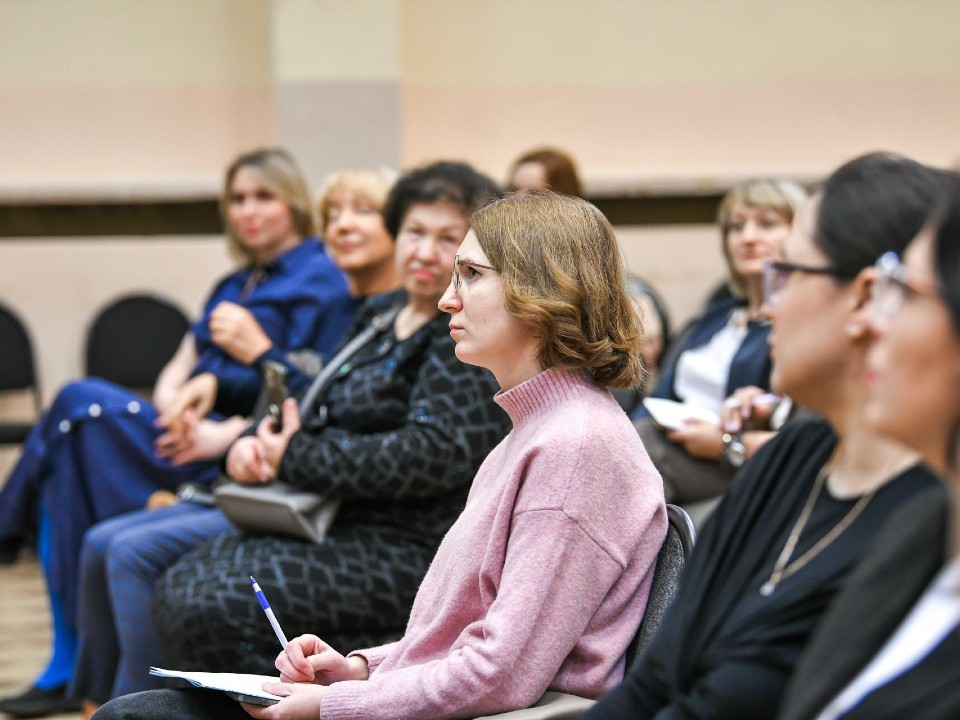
pixel 723 350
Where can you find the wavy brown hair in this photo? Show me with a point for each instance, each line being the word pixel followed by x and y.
pixel 563 277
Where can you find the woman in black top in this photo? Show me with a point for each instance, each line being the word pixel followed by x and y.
pixel 804 508
pixel 890 645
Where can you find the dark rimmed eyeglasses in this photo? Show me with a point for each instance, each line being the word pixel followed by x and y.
pixel 455 275
pixel 777 272
pixel 891 287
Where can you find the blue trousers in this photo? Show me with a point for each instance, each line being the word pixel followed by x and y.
pixel 120 561
pixel 92 453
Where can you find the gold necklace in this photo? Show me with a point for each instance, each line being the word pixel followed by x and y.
pixel 781 571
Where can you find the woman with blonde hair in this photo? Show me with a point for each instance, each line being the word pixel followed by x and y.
pixel 723 350
pixel 542 580
pixel 101 450
pixel 123 557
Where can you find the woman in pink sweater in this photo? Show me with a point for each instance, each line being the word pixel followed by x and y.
pixel 542 581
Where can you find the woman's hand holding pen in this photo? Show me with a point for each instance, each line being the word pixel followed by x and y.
pixel 306 666
pixel 308 659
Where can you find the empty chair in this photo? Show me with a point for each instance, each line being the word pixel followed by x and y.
pixel 676 548
pixel 132 338
pixel 17 373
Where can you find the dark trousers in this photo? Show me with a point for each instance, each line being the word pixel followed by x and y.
pixel 186 704
pixel 355 590
pixel 686 479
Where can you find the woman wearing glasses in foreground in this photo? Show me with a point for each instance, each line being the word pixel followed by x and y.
pixel 541 582
pixel 803 510
pixel 890 645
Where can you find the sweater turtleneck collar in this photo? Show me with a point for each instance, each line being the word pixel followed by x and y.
pixel 543 391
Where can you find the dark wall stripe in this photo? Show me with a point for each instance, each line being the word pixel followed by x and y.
pixel 201 217
pixel 194 217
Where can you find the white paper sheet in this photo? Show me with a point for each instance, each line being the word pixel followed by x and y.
pixel 238 683
pixel 671 414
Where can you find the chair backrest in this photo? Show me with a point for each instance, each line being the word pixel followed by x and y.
pixel 132 338
pixel 671 559
pixel 17 373
pixel 17 370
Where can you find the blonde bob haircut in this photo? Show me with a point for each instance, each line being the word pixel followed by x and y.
pixel 782 196
pixel 372 184
pixel 563 277
pixel 279 173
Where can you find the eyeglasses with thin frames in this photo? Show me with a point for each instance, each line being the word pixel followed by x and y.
pixel 891 287
pixel 777 272
pixel 455 275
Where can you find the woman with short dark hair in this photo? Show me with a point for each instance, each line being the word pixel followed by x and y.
pixel 890 645
pixel 805 509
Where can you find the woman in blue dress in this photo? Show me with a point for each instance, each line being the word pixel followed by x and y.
pixel 122 557
pixel 99 450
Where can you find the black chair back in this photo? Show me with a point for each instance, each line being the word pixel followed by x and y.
pixel 131 339
pixel 676 548
pixel 17 372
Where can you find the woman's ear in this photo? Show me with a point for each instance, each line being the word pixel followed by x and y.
pixel 860 304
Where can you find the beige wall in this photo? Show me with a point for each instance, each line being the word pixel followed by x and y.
pixel 120 98
pixel 114 94
pixel 687 89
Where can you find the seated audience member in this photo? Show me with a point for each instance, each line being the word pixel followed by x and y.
pixel 890 645
pixel 123 557
pixel 545 168
pixel 655 323
pixel 541 582
pixel 806 508
pixel 723 350
pixel 397 434
pixel 98 452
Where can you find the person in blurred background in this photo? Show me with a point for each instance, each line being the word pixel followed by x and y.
pixel 545 168
pixel 807 507
pixel 123 557
pixel 889 647
pixel 100 450
pixel 397 436
pixel 722 350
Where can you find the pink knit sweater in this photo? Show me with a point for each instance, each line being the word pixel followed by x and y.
pixel 542 581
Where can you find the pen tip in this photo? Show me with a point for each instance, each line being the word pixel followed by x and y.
pixel 252 581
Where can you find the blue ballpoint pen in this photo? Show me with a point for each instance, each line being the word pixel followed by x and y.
pixel 270 616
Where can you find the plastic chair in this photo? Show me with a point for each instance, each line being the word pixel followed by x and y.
pixel 676 548
pixel 17 373
pixel 132 338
